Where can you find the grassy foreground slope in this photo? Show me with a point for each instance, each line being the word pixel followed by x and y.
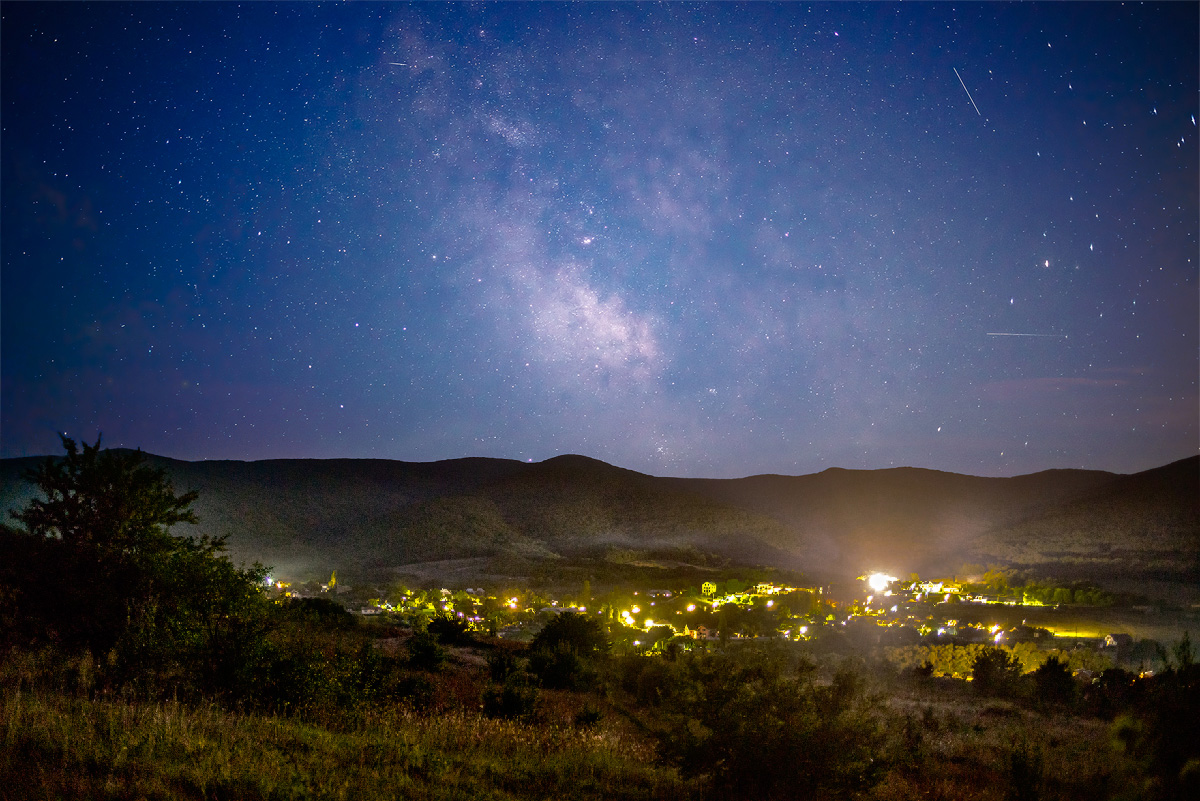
pixel 69 747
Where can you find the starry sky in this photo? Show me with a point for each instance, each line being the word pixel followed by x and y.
pixel 698 240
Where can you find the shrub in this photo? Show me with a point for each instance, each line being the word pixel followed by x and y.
pixel 424 652
pixel 501 664
pixel 1054 683
pixel 1025 773
pixel 561 668
pixel 1165 738
pixel 582 634
pixel 513 699
pixel 758 728
pixel 450 630
pixel 317 612
pixel 656 683
pixel 1113 690
pixel 996 672
pixel 588 717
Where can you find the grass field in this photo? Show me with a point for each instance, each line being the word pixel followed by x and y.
pixel 58 746
pixel 944 742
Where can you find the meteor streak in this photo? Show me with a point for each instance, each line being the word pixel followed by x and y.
pixel 965 89
pixel 1008 334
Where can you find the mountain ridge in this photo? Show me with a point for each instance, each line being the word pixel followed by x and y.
pixel 377 515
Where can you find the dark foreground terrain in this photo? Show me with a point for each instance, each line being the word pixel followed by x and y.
pixel 753 722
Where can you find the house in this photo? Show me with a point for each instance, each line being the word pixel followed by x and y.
pixel 1117 640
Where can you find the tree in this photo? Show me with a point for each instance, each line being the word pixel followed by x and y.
pixel 582 634
pixel 560 653
pixel 1054 682
pixel 758 727
pixel 101 571
pixel 995 671
pixel 103 500
pixel 450 630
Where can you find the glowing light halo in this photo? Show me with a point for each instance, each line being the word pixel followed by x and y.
pixel 879 581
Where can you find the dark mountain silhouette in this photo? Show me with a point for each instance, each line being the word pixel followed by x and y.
pixel 507 517
pixel 903 519
pixel 1143 523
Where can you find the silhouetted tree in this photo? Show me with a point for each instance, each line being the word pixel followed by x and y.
pixel 1168 742
pixel 759 728
pixel 561 651
pixel 424 652
pixel 450 630
pixel 1054 682
pixel 320 612
pixel 995 671
pixel 100 570
pixel 582 634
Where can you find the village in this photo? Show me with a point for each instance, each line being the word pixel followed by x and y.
pixel 915 620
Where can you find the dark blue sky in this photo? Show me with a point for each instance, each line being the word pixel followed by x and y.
pixel 708 240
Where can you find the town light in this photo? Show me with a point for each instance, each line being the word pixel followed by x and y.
pixel 879 581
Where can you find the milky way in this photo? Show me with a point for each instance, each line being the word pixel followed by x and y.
pixel 705 240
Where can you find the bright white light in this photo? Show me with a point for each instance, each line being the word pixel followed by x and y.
pixel 879 581
pixel 691 607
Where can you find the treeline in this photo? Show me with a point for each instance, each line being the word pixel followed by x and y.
pixel 1080 594
pixel 1011 585
pixel 958 661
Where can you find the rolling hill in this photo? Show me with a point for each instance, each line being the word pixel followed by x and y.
pixel 500 517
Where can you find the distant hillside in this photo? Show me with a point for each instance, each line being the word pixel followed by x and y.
pixel 306 517
pixel 1144 523
pixel 902 519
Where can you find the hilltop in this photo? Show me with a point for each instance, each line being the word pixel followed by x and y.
pixel 477 517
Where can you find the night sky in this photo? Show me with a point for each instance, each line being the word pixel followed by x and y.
pixel 700 240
